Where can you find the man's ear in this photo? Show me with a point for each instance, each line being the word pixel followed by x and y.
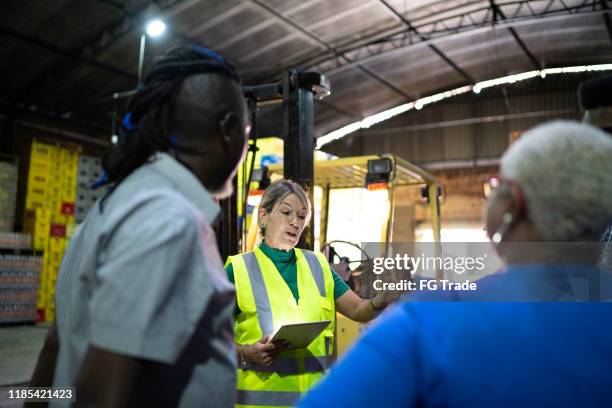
pixel 229 130
pixel 518 205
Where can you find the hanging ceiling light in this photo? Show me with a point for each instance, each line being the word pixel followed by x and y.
pixel 155 28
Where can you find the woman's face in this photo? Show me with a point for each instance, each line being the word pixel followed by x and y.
pixel 284 225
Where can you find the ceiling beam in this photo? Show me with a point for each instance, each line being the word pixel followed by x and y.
pixel 248 32
pixel 432 47
pixel 337 109
pixel 314 39
pixel 401 130
pixel 69 55
pixel 291 37
pixel 8 106
pixel 457 25
pixel 328 47
pixel 606 18
pixel 608 24
pixel 113 4
pixel 217 19
pixel 88 51
pixel 534 61
pixel 383 81
pixel 497 12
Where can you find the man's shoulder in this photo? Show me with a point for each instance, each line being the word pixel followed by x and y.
pixel 156 203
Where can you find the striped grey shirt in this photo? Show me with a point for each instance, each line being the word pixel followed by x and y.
pixel 142 277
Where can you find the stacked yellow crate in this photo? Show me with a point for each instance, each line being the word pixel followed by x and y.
pixel 54 260
pixel 42 226
pixel 43 292
pixel 50 212
pixel 70 228
pixel 38 177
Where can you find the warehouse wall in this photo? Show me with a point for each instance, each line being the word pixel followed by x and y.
pixel 462 201
pixel 445 131
pixel 17 136
pixel 462 152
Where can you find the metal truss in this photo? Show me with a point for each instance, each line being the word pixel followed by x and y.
pixel 325 45
pixel 432 47
pixel 606 17
pixel 513 12
pixel 499 14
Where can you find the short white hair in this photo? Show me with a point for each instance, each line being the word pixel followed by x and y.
pixel 564 169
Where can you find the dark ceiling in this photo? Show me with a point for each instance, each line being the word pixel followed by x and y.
pixel 70 56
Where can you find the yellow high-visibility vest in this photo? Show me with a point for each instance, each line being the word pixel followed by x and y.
pixel 266 303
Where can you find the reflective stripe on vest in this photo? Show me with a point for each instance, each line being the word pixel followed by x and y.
pixel 267 398
pixel 289 365
pixel 317 271
pixel 262 303
pixel 266 303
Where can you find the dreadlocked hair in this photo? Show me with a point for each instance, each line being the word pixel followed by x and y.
pixel 151 109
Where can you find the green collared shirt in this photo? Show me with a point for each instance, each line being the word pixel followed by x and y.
pixel 286 265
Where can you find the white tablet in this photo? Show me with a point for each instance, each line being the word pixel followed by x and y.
pixel 300 335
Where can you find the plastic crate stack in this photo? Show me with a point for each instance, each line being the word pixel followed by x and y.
pixel 8 195
pixel 50 203
pixel 14 240
pixel 89 171
pixel 19 279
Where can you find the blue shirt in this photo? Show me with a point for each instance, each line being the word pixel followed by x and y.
pixel 479 353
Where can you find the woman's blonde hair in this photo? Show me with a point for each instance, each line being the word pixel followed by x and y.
pixel 277 192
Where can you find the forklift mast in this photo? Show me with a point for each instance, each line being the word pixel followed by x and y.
pixel 296 92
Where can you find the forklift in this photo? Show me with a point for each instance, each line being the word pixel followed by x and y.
pixel 384 173
pixel 296 93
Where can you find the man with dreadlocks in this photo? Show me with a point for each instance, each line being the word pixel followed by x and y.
pixel 144 310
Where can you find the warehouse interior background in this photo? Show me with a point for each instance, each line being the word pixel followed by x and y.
pixel 63 61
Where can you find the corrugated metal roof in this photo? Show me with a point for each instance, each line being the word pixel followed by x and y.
pixel 71 55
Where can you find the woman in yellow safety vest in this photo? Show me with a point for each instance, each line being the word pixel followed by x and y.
pixel 278 284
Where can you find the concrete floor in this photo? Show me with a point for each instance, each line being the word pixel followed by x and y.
pixel 19 348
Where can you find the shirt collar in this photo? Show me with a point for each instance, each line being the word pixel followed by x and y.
pixel 278 255
pixel 186 183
